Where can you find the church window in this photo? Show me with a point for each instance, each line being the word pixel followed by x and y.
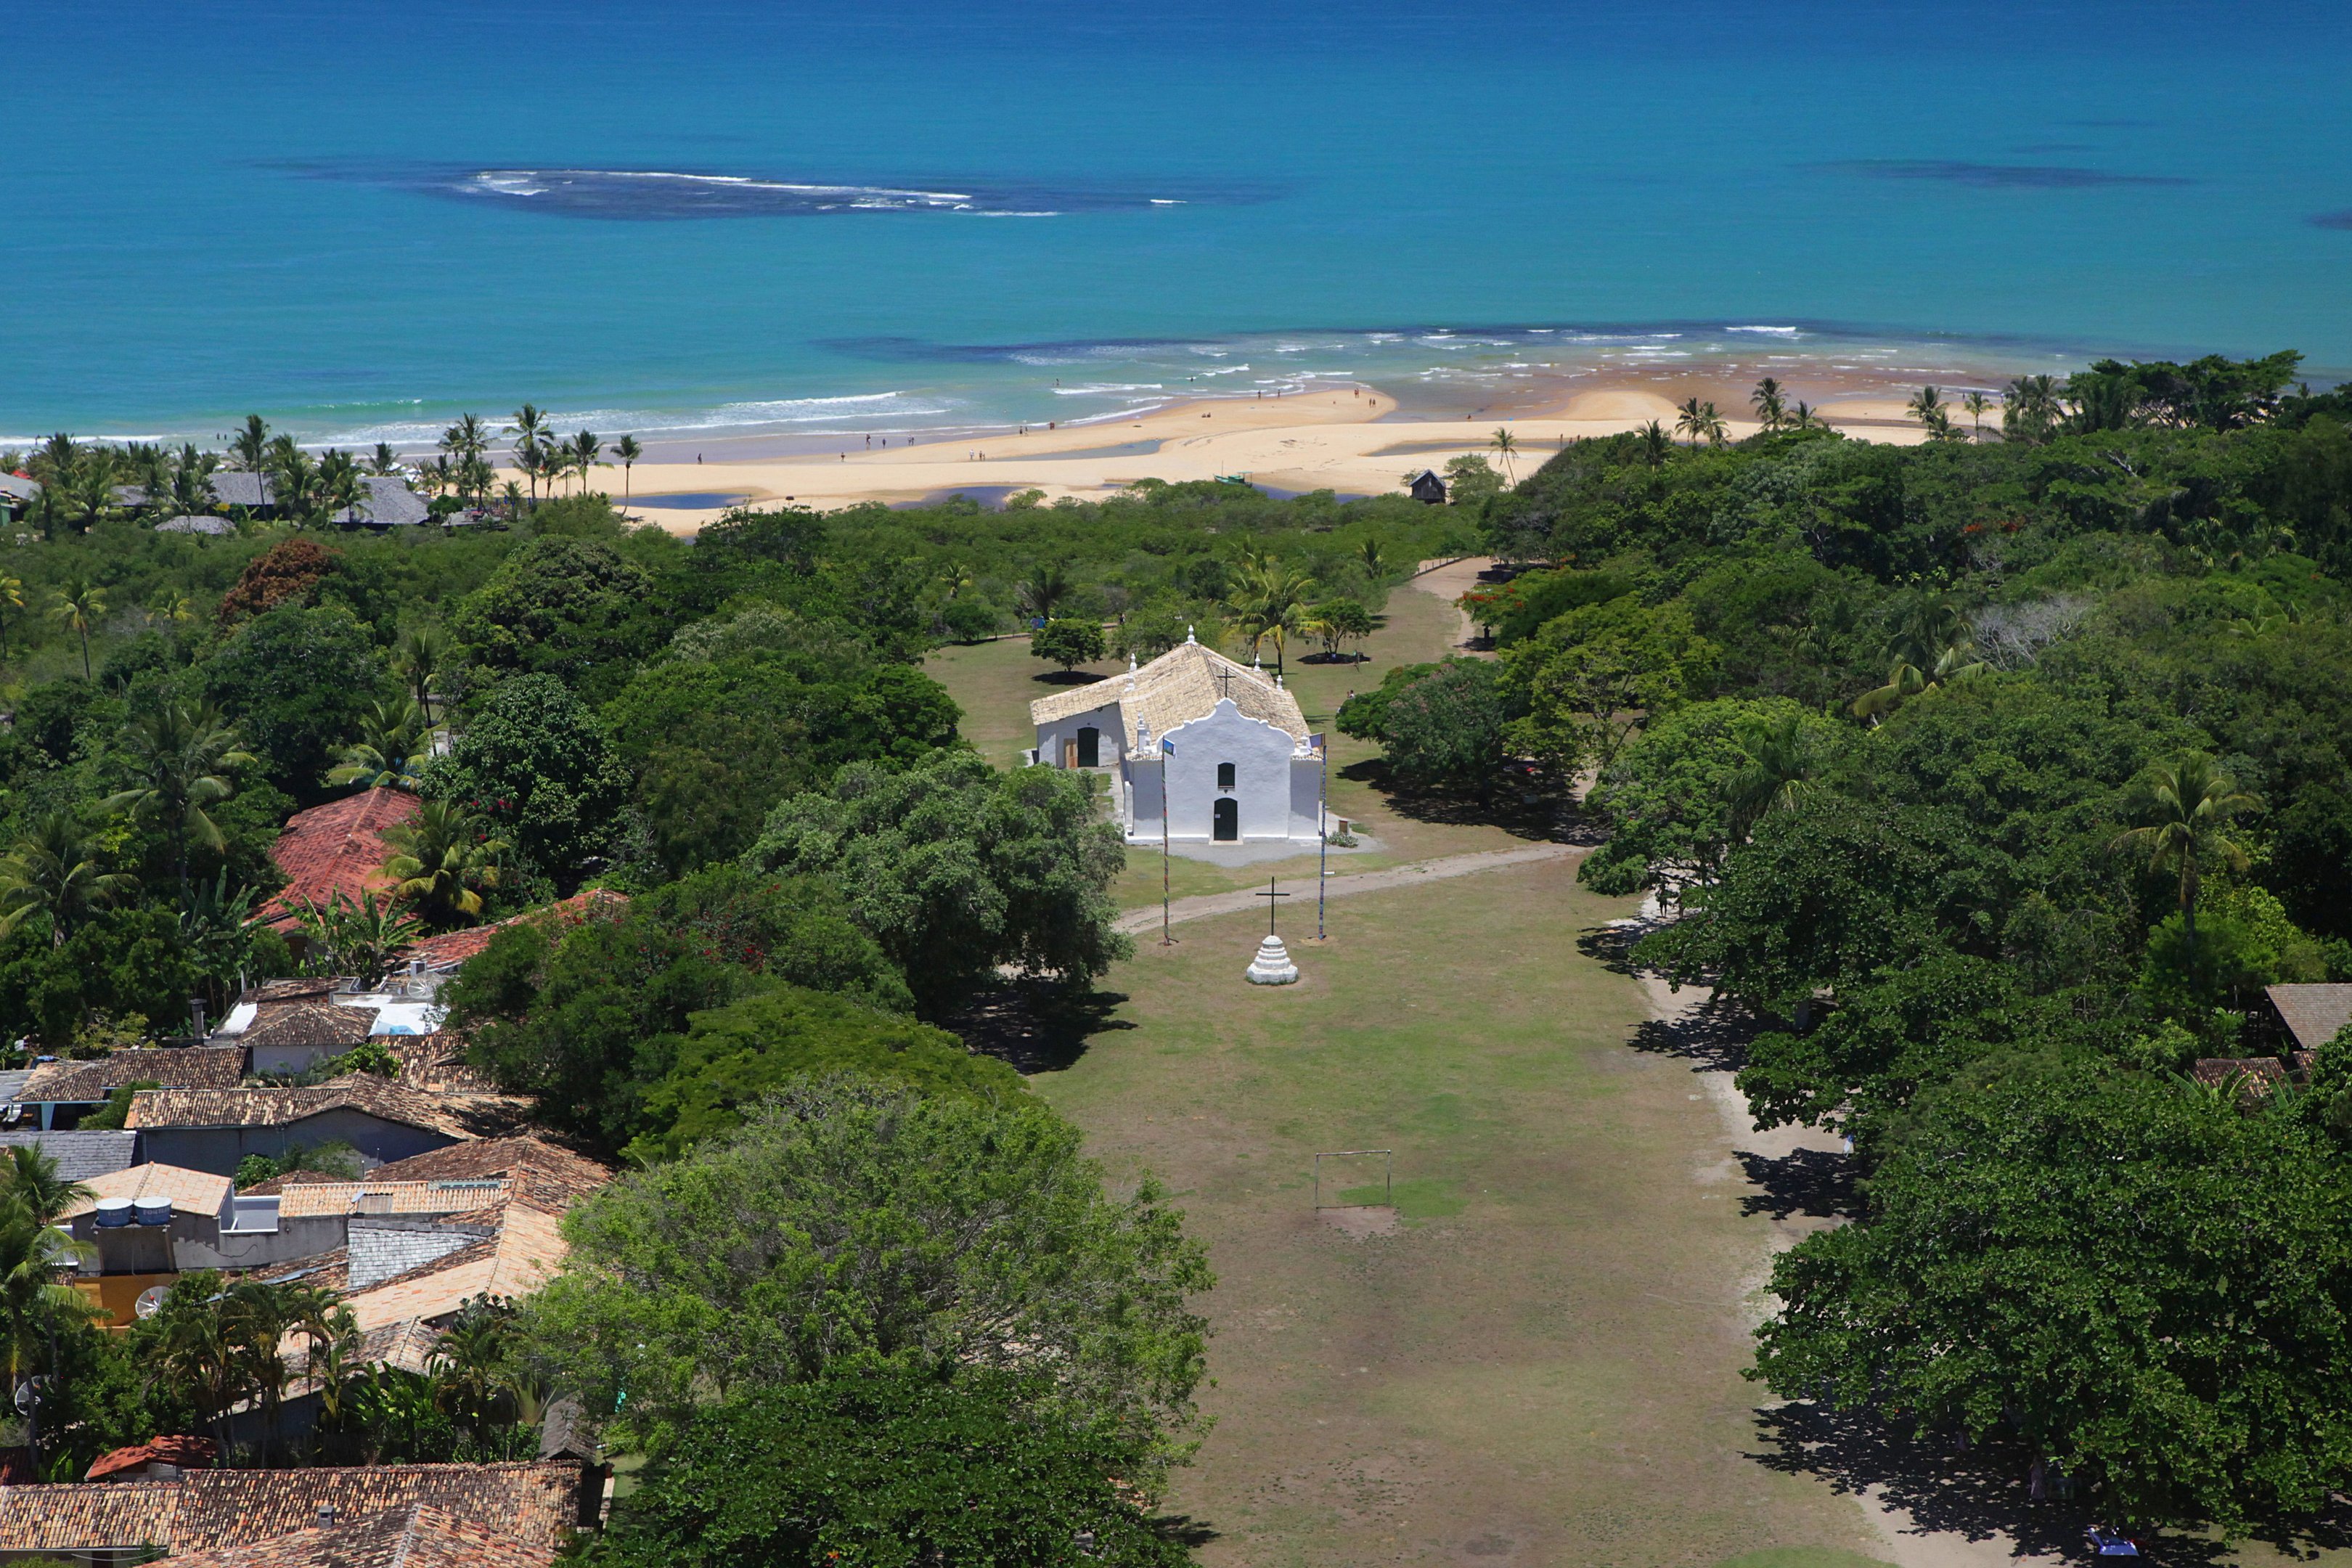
pixel 1224 775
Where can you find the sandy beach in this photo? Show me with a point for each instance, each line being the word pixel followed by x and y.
pixel 1353 440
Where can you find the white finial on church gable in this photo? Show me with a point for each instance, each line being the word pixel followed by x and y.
pixel 1188 637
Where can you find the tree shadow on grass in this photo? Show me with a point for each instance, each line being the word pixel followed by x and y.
pixel 1036 1028
pixel 1813 1184
pixel 1068 678
pixel 1540 815
pixel 1185 1530
pixel 1982 1489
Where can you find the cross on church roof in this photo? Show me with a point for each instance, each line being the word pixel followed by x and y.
pixel 1224 682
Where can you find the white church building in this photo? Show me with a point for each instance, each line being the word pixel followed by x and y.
pixel 1219 748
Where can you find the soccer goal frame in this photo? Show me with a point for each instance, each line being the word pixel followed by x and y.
pixel 1388 1176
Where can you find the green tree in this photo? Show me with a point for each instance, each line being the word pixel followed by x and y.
pixel 2130 1279
pixel 390 751
pixel 2187 807
pixel 299 681
pixel 1506 445
pixel 1926 405
pixel 1335 622
pixel 883 1463
pixel 1471 480
pixel 1771 405
pixel 734 1055
pixel 442 862
pixel 1932 645
pixel 852 1218
pixel 626 451
pixel 1069 642
pixel 539 765
pixel 78 605
pixel 560 606
pixel 355 936
pixel 1700 422
pixel 1440 725
pixel 185 757
pixel 958 870
pixel 1589 679
pixel 1044 591
pixel 58 871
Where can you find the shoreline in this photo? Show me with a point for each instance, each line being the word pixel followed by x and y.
pixel 1357 439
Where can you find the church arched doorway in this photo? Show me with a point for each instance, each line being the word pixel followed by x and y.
pixel 1090 747
pixel 1227 821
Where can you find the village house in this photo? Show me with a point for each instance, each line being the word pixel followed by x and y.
pixel 1216 752
pixel 214 1129
pixel 335 849
pixel 256 1517
pixel 59 1094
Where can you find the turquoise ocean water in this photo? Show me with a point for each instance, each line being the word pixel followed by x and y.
pixel 792 220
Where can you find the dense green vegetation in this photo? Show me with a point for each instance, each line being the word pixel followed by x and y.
pixel 1997 777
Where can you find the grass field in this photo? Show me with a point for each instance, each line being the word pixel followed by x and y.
pixel 1540 1366
pixel 995 683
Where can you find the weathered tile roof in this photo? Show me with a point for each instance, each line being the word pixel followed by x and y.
pixel 2312 1014
pixel 521 1257
pixel 1178 687
pixel 387 503
pixel 190 1191
pixel 287 989
pixel 333 849
pixel 452 948
pixel 188 1067
pixel 187 1451
pixel 211 1510
pixel 307 1021
pixel 214 526
pixel 280 1106
pixel 80 1156
pixel 2260 1074
pixel 300 1200
pixel 416 1536
pixel 536 1168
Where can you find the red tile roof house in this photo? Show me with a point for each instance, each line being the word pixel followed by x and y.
pixel 334 849
pixel 529 1507
pixel 214 1129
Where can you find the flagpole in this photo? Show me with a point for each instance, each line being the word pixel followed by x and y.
pixel 1322 833
pixel 1165 939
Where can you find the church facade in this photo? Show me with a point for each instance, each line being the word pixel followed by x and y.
pixel 1216 751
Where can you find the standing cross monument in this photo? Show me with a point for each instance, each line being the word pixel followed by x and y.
pixel 1272 967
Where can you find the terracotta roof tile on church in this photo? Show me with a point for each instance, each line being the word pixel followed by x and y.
pixel 211 1510
pixel 333 849
pixel 277 1107
pixel 453 948
pixel 1182 684
pixel 417 1536
pixel 189 1067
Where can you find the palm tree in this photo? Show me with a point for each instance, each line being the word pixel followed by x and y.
pixel 586 453
pixel 1928 407
pixel 2030 408
pixel 1508 445
pixel 530 429
pixel 628 450
pixel 1801 417
pixel 1268 600
pixel 441 860
pixel 355 938
pixel 1700 421
pixel 2185 824
pixel 1047 586
pixel 78 604
pixel 388 752
pixel 1780 769
pixel 417 660
pixel 1976 403
pixel 1370 557
pixel 183 757
pixel 57 870
pixel 91 489
pixel 33 1301
pixel 12 597
pixel 1772 408
pixel 250 446
pixel 1931 646
pixel 1656 445
pixel 338 480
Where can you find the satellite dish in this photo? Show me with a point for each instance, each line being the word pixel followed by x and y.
pixel 150 1302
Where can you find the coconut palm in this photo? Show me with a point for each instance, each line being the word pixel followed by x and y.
pixel 1976 403
pixel 1931 647
pixel 587 452
pixel 1802 417
pixel 78 604
pixel 627 451
pixel 250 446
pixel 1928 407
pixel 418 660
pixel 529 430
pixel 388 752
pixel 184 757
pixel 88 490
pixel 442 860
pixel 1268 600
pixel 384 461
pixel 1375 563
pixel 1508 445
pixel 1778 772
pixel 1656 445
pixel 12 597
pixel 2030 408
pixel 2186 814
pixel 58 871
pixel 35 1301
pixel 1771 407
pixel 338 480
pixel 1046 587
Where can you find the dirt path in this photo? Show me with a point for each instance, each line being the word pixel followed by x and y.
pixel 1302 888
pixel 1449 583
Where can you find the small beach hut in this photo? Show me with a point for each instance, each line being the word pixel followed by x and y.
pixel 1426 488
